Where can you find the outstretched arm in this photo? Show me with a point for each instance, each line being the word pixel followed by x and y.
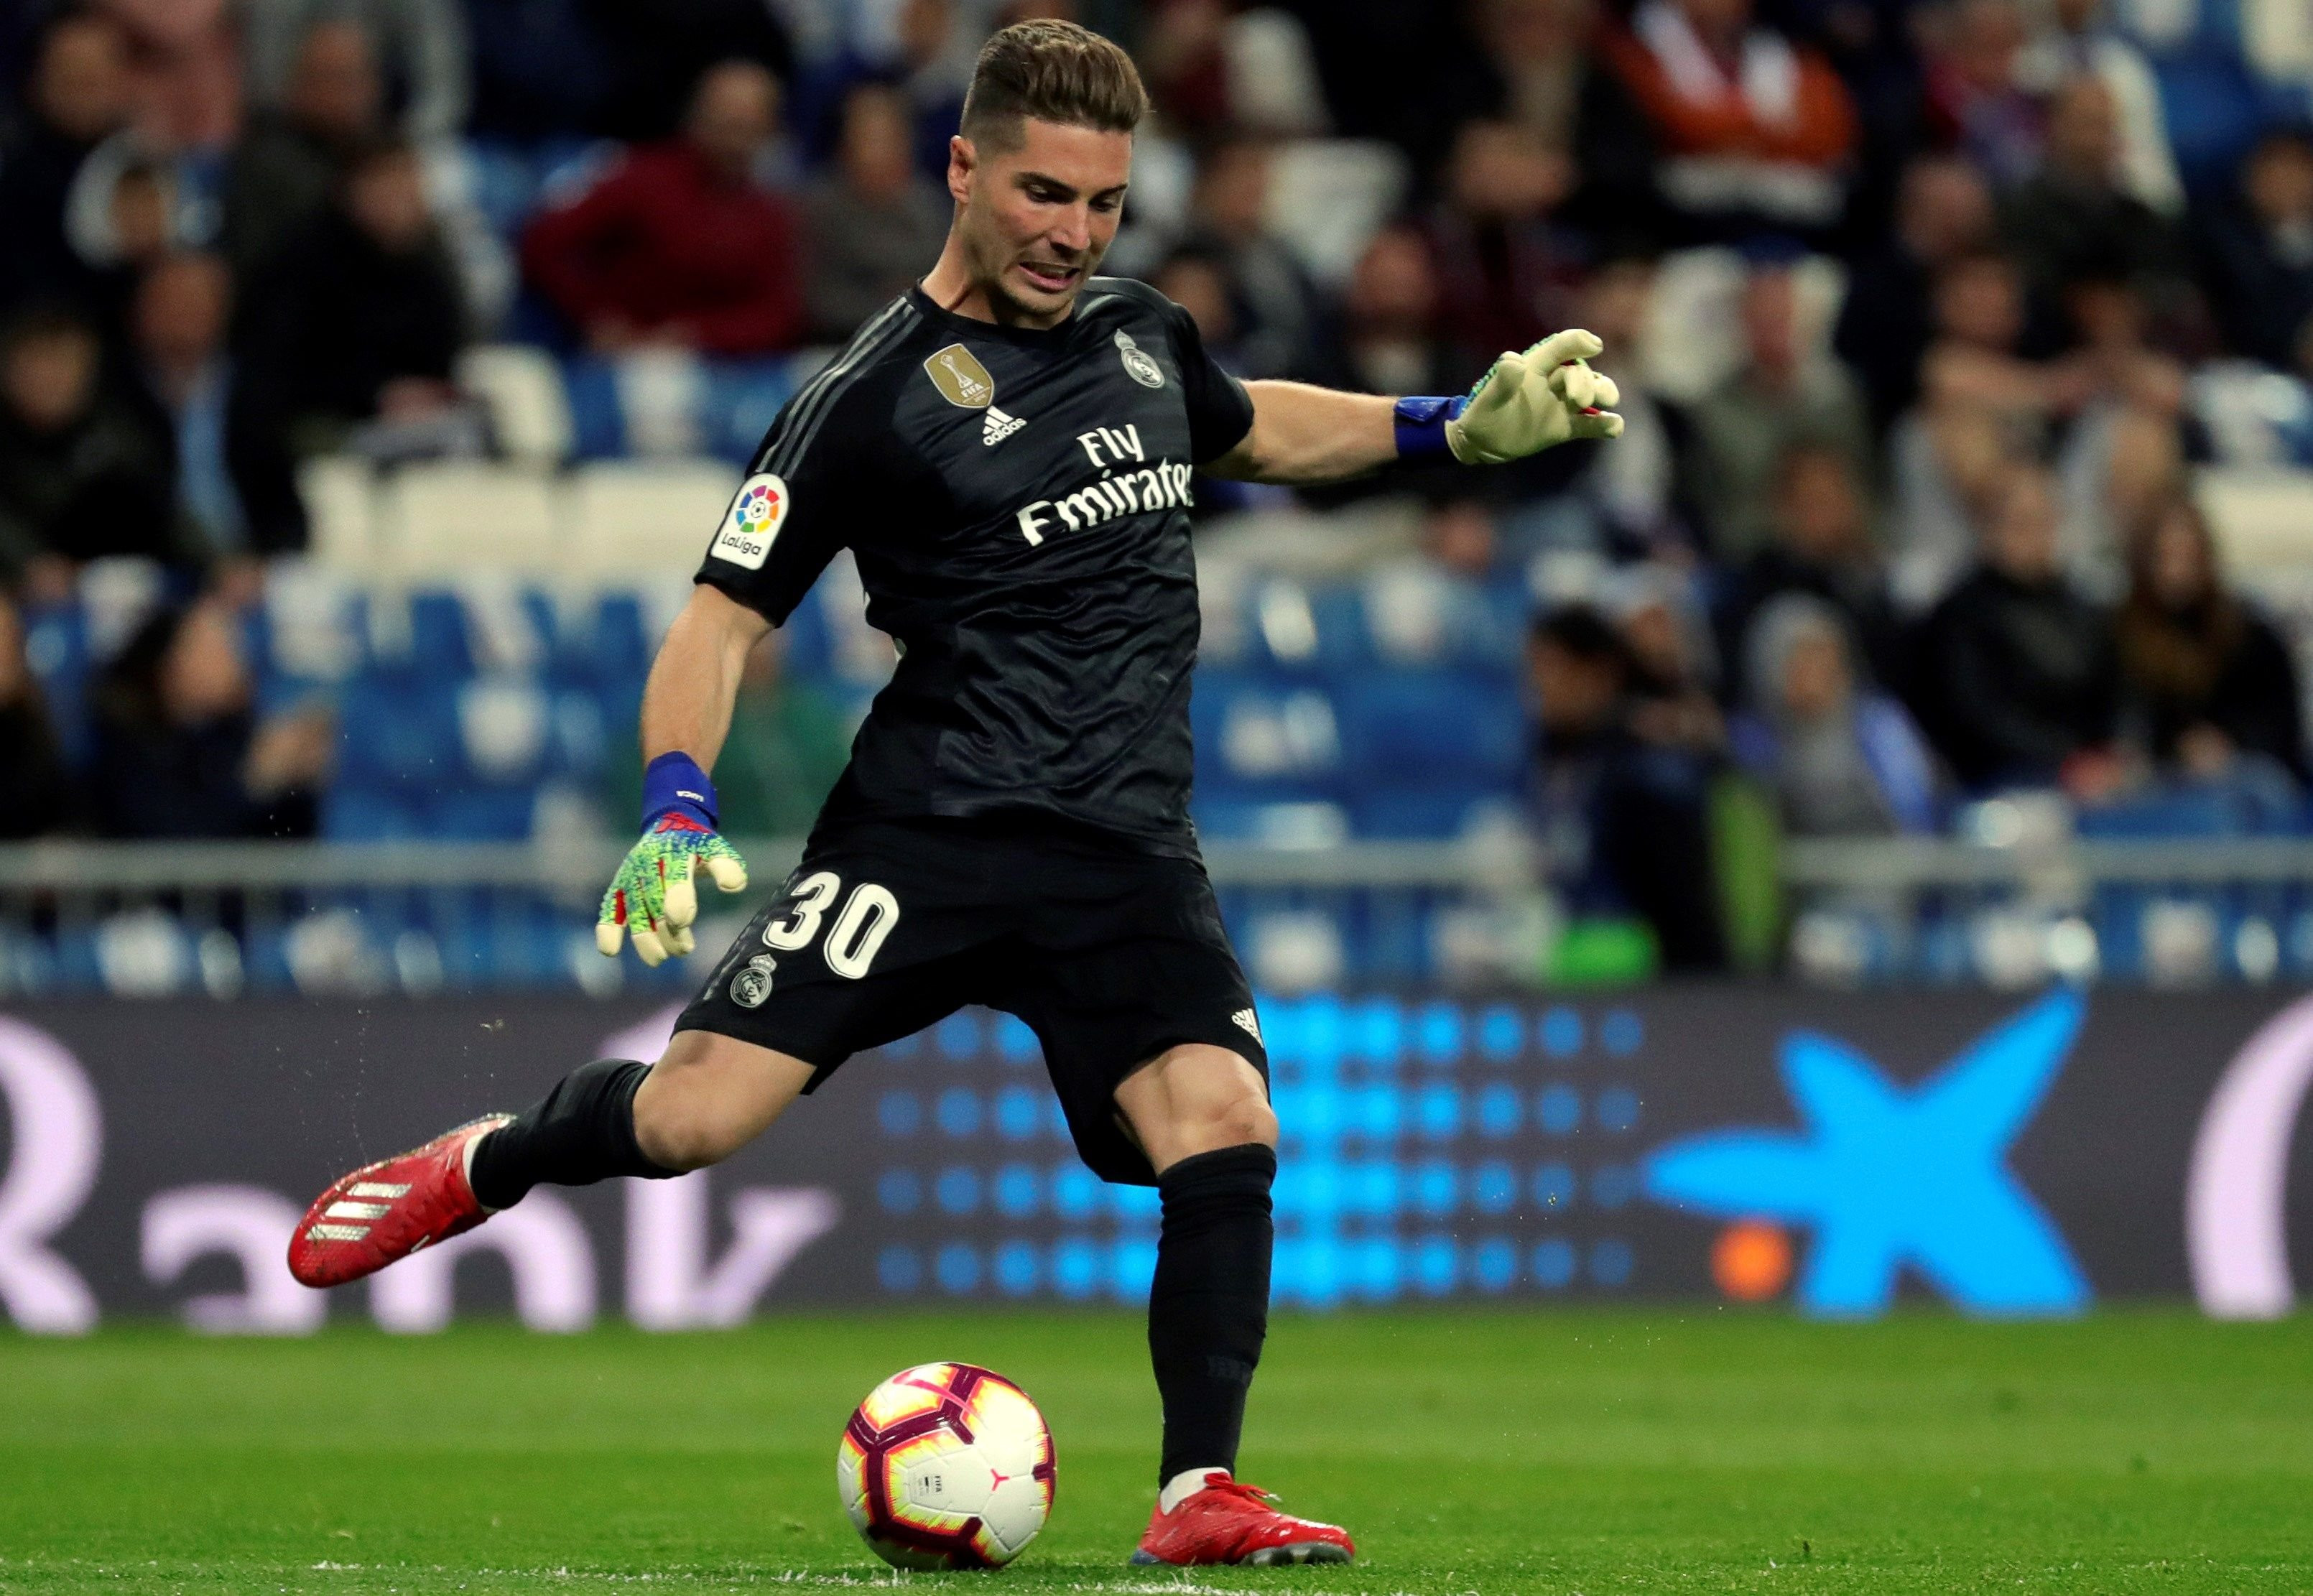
pixel 1527 402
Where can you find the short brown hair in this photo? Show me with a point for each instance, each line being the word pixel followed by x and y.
pixel 1055 72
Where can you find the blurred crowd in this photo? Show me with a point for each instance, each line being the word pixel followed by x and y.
pixel 1928 533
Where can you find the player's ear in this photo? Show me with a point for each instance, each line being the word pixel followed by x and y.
pixel 961 159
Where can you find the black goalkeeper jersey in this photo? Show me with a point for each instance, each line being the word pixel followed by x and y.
pixel 1018 503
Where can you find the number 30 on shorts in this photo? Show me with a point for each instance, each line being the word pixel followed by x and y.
pixel 865 919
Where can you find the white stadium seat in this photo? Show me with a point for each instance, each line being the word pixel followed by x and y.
pixel 522 391
pixel 443 519
pixel 629 519
pixel 340 494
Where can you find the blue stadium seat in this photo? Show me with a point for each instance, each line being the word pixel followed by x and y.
pixel 354 812
pixel 1445 725
pixel 57 647
pixel 483 814
pixel 441 643
pixel 1261 736
pixel 399 736
pixel 598 421
pixel 1432 812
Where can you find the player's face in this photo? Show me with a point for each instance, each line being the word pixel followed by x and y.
pixel 1035 220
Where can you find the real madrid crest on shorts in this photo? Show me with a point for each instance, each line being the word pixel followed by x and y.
pixel 751 985
pixel 1136 363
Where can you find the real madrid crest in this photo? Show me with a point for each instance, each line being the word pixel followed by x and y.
pixel 751 985
pixel 1138 366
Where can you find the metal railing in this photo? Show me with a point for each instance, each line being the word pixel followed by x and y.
pixel 258 917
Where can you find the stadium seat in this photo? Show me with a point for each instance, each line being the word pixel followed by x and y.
pixel 1329 196
pixel 2262 516
pixel 1258 736
pixel 634 518
pixel 530 417
pixel 442 520
pixel 340 495
pixel 1443 725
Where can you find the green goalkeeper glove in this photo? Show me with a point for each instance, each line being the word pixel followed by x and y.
pixel 654 896
pixel 1526 403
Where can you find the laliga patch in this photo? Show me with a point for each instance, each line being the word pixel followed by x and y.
pixel 752 521
pixel 751 985
pixel 1138 366
pixel 961 379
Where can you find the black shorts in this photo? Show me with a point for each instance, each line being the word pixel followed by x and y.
pixel 1110 957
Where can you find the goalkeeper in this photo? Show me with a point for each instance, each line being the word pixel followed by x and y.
pixel 1525 403
pixel 1007 448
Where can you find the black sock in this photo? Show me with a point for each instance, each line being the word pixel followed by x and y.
pixel 1208 1306
pixel 582 1132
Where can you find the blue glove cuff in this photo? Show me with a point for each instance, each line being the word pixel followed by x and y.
pixel 673 784
pixel 1422 424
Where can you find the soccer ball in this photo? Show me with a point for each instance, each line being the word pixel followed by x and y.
pixel 946 1465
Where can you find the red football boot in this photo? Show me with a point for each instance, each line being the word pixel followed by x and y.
pixel 1229 1523
pixel 388 1210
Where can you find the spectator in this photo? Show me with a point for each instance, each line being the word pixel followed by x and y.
pixel 1634 488
pixel 2258 253
pixel 874 226
pixel 662 49
pixel 2209 684
pixel 362 321
pixel 79 474
pixel 1277 309
pixel 1822 548
pixel 1977 100
pixel 1553 85
pixel 1750 130
pixel 1390 342
pixel 2074 218
pixel 2075 41
pixel 182 310
pixel 78 96
pixel 125 214
pixel 1783 393
pixel 2018 673
pixel 1504 272
pixel 1632 817
pixel 789 741
pixel 543 69
pixel 1671 701
pixel 1842 760
pixel 418 47
pixel 1943 211
pixel 184 67
pixel 180 750
pixel 1974 363
pixel 35 793
pixel 1197 281
pixel 679 243
pixel 295 153
pixel 1944 464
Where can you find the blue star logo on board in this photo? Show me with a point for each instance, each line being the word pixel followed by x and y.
pixel 1888 1177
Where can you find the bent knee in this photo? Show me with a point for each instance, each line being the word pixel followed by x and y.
pixel 1232 1122
pixel 676 1137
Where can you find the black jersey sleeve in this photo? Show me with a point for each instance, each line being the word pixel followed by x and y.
pixel 815 467
pixel 1220 411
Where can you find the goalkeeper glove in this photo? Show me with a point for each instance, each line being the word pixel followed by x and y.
pixel 654 898
pixel 1526 403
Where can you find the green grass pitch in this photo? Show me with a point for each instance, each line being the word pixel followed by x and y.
pixel 1469 1452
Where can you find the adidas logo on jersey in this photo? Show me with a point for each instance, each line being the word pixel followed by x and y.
pixel 995 427
pixel 1248 1024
